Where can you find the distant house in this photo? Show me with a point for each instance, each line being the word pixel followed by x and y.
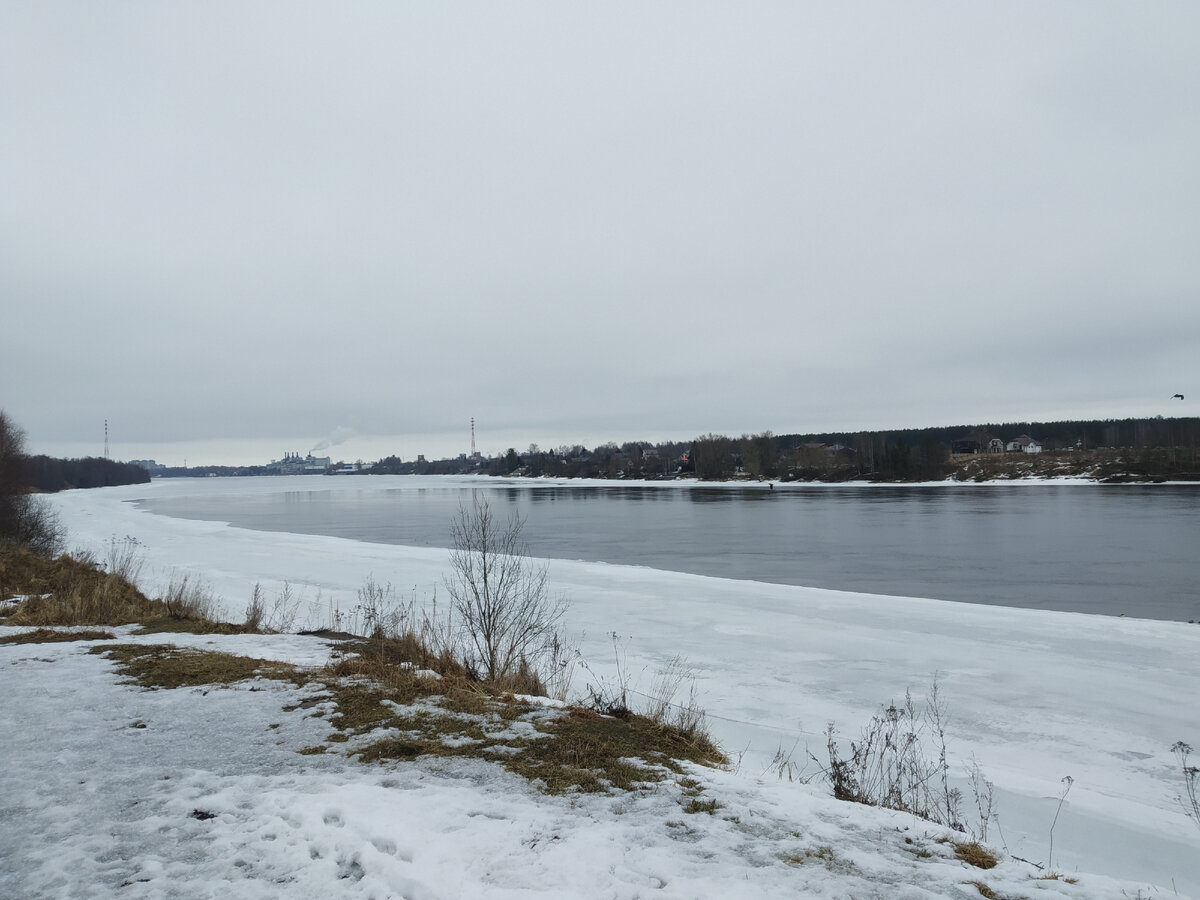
pixel 995 445
pixel 964 445
pixel 1023 444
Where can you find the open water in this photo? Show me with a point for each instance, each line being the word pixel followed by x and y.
pixel 1110 549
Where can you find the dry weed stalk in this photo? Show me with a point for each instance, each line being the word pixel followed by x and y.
pixel 1190 802
pixel 890 766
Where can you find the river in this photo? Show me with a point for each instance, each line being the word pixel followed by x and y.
pixel 1108 549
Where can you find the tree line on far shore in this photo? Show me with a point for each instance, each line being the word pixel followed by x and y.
pixel 1145 447
pixel 48 474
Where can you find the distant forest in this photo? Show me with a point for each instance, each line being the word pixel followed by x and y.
pixel 1148 448
pixel 49 475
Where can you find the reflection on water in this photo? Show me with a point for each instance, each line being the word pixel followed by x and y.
pixel 1117 550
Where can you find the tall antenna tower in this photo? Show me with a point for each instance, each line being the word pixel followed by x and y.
pixel 473 454
pixel 106 456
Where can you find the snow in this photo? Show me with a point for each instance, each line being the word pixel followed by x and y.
pixel 105 807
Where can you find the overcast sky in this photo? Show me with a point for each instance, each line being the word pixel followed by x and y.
pixel 239 229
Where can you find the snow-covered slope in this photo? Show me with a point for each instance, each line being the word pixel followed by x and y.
pixel 112 790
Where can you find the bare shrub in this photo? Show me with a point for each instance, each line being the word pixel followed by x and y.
pixel 507 616
pixel 25 520
pixel 28 521
pixel 890 765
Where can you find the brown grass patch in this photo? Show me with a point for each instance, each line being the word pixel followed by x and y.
pixel 975 854
pixel 50 636
pixel 173 624
pixel 164 666
pixel 576 750
pixel 65 591
pixel 586 751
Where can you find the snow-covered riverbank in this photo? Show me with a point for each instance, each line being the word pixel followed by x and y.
pixel 1033 696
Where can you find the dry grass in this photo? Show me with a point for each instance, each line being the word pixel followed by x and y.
pixel 559 750
pixel 65 591
pixel 975 854
pixel 174 624
pixel 164 666
pixel 1057 876
pixel 50 636
pixel 575 750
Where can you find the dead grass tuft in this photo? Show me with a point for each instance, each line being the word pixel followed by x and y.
pixel 50 636
pixel 975 854
pixel 984 890
pixel 1057 876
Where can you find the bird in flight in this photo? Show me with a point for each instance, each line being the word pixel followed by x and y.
pixel 1177 397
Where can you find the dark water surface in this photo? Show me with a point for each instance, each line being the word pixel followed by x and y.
pixel 1115 550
